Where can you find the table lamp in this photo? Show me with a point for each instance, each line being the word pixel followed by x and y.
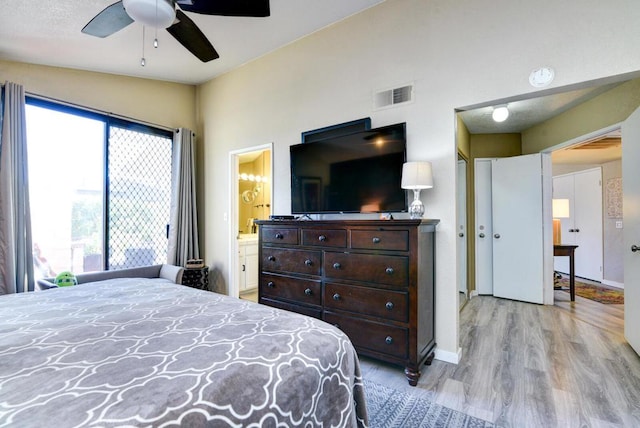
pixel 417 176
pixel 560 210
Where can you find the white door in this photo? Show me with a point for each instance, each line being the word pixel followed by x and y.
pixel 584 225
pixel 588 224
pixel 519 267
pixel 462 226
pixel 631 214
pixel 483 230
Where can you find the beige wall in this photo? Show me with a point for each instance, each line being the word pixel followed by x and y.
pixel 170 105
pixel 448 50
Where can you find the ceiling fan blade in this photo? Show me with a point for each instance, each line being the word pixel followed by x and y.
pixel 111 20
pixel 189 35
pixel 252 8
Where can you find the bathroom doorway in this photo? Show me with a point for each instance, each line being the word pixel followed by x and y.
pixel 252 201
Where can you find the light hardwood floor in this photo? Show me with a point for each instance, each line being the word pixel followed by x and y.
pixel 526 365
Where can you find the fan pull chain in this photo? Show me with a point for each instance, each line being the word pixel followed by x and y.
pixel 155 41
pixel 143 61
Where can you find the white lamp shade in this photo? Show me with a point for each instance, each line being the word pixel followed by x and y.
pixel 154 13
pixel 560 208
pixel 417 175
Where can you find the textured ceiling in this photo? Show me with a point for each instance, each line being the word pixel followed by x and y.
pixel 47 32
pixel 527 113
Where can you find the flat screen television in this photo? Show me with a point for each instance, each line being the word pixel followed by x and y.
pixel 353 173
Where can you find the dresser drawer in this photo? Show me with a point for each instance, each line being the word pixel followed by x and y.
pixel 395 240
pixel 386 339
pixel 391 270
pixel 324 238
pixel 288 288
pixel 299 309
pixel 279 235
pixel 391 305
pixel 296 261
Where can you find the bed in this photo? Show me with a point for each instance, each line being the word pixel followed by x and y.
pixel 146 352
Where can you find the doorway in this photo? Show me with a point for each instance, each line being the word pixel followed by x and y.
pixel 600 152
pixel 251 200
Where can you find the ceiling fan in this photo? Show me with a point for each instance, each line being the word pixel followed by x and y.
pixel 169 14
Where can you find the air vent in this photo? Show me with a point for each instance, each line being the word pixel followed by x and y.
pixel 393 97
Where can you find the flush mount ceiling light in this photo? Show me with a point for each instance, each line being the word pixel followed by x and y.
pixel 500 113
pixel 154 13
pixel 541 77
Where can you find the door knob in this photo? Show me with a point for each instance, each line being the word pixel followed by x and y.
pixel 461 234
pixel 635 248
pixel 497 236
pixel 481 235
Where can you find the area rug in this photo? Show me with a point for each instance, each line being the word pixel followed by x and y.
pixel 598 293
pixel 390 408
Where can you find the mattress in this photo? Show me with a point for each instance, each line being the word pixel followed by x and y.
pixel 146 352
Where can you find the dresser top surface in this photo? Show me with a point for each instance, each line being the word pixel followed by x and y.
pixel 346 223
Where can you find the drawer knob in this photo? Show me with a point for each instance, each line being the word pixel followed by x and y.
pixel 322 238
pixel 270 284
pixel 307 292
pixel 336 297
pixel 389 271
pixel 376 240
pixel 389 305
pixel 279 236
pixel 388 340
pixel 336 265
pixel 308 262
pixel 271 258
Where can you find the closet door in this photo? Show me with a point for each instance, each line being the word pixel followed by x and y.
pixel 483 226
pixel 521 196
pixel 588 224
pixel 462 226
pixel 584 226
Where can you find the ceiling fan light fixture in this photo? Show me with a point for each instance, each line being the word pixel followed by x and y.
pixel 500 113
pixel 153 13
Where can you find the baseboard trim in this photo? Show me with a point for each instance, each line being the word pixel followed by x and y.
pixel 613 283
pixel 448 356
pixel 474 293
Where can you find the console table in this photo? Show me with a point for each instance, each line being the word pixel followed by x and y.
pixel 568 251
pixel 373 279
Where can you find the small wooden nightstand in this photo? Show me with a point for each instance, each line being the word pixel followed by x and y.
pixel 196 277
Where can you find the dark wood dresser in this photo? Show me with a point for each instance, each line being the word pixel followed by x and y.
pixel 373 279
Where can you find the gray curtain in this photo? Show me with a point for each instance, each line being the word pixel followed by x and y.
pixel 183 230
pixel 16 256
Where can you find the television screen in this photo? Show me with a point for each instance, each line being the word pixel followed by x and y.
pixel 353 173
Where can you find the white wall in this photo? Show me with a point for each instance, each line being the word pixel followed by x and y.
pixel 457 53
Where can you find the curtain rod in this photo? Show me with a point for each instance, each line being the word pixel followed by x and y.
pixel 94 110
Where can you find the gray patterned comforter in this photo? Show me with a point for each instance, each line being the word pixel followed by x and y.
pixel 145 352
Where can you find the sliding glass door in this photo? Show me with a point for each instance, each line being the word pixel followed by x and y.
pixel 99 190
